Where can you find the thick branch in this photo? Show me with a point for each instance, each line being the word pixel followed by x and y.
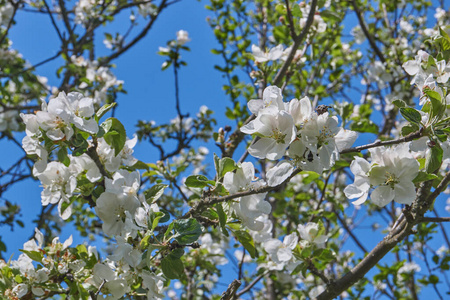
pixel 231 290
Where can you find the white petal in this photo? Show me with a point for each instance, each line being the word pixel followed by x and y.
pixel 382 195
pixel 279 173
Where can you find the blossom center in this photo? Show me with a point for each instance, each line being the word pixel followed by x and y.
pixel 278 136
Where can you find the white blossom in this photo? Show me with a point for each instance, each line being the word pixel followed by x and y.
pixel 276 130
pixel 182 37
pixel 310 233
pixel 273 54
pixel 281 252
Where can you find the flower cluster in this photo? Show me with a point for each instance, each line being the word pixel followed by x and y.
pixel 69 122
pixel 310 137
pixel 428 73
pixel 390 173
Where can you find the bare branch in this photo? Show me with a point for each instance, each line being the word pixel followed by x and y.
pixel 251 285
pixel 141 35
pixel 436 220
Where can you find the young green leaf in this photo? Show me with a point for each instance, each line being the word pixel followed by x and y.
pixel 411 115
pixel 115 134
pixel 433 159
pixel 198 181
pixel 247 241
pixel 156 191
pixel 187 231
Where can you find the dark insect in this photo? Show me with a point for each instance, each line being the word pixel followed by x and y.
pixel 310 156
pixel 321 109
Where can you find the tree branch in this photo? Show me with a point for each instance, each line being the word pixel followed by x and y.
pixel 309 21
pixel 436 220
pixel 420 205
pixel 210 201
pixel 408 138
pixel 366 32
pixel 231 290
pixel 143 33
pixel 251 285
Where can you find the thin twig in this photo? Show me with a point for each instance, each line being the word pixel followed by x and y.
pixel 282 72
pixel 408 138
pixel 251 285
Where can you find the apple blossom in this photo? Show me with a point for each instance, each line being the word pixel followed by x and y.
pixel 310 233
pixel 273 54
pixel 390 172
pixel 276 130
pixel 281 252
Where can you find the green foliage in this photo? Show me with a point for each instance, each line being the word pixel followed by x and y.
pixel 114 134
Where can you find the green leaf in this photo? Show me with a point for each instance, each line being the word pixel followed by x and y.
pixel 247 241
pixel 311 176
pixel 226 165
pixel 115 134
pixel 437 108
pixel 18 278
pixel 166 216
pixel 155 217
pixel 145 241
pixel 445 41
pixel 82 251
pixel 330 15
pixel 139 165
pixel 82 292
pixel 34 255
pixel 327 255
pixel 155 192
pixel 364 126
pixel 411 115
pixel 62 156
pixel 104 109
pixel 433 279
pixel 399 103
pixel 281 9
pixel 433 159
pixel 222 218
pixel 407 129
pixel 306 252
pixel 198 181
pixel 299 268
pixel 423 176
pixel 169 230
pixel 220 190
pixel 172 267
pixel 188 231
